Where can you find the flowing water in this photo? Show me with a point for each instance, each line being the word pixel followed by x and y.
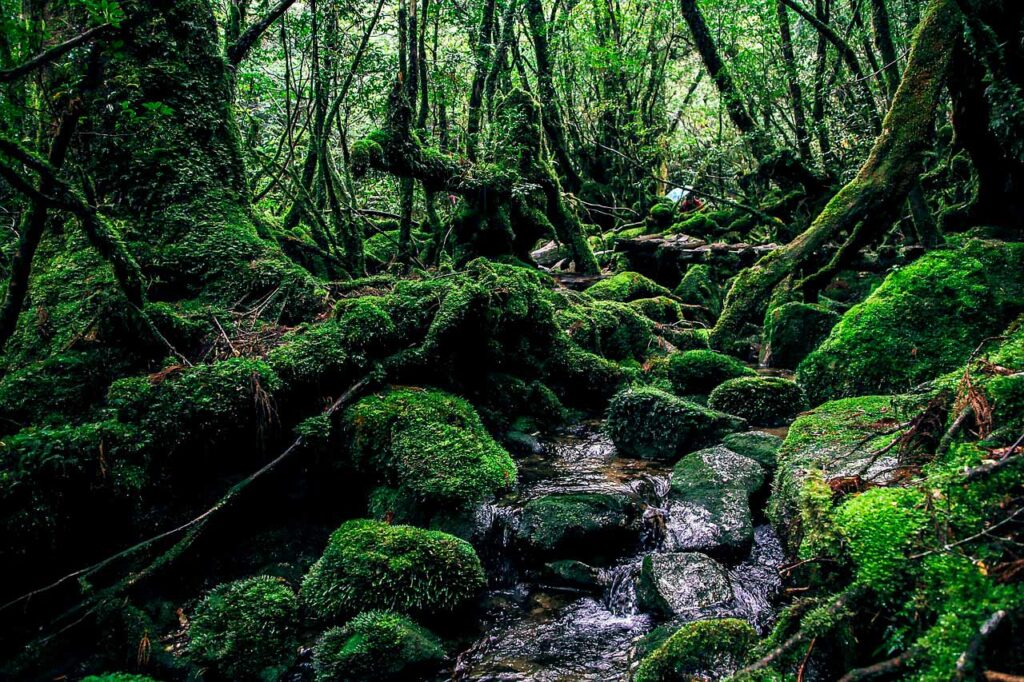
pixel 534 630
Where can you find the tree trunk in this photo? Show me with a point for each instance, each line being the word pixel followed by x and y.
pixel 878 191
pixel 793 83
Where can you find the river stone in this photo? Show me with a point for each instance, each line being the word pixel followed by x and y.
pixel 572 573
pixel 581 526
pixel 651 424
pixel 709 502
pixel 757 445
pixel 682 583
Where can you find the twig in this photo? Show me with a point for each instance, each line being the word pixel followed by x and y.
pixel 886 667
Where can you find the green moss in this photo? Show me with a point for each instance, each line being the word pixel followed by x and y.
pixel 766 401
pixel 59 483
pixel 229 400
pixel 827 438
pixel 578 525
pixel 371 565
pixel 652 424
pixel 118 677
pixel 699 288
pixel 660 309
pixel 700 371
pixel 879 527
pixel 792 331
pixel 614 330
pixel 430 445
pixel 757 445
pixel 376 645
pixel 625 287
pixel 924 320
pixel 246 629
pixel 716 647
pixel 661 214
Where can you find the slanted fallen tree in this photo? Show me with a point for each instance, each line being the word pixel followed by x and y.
pixel 867 206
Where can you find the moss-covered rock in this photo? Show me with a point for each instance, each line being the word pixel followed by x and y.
pixel 376 645
pixel 757 445
pixel 652 424
pixel 765 401
pixel 699 288
pixel 792 330
pixel 677 584
pixel 586 526
pixel 700 650
pixel 830 442
pixel 625 287
pixel 709 502
pixel 429 445
pixel 660 309
pixel 371 565
pixel 246 629
pixel 611 329
pixel 924 320
pixel 700 371
pixel 573 573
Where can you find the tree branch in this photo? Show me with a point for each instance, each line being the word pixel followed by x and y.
pixel 240 49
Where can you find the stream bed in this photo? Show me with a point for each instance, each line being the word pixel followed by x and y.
pixel 537 627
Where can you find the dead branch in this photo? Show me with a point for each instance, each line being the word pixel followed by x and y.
pixel 966 662
pixel 881 668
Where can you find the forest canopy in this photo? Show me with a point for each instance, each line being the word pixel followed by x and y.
pixel 511 339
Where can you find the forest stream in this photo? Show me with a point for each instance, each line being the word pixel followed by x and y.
pixel 539 627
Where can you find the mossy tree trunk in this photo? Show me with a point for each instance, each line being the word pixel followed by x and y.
pixel 868 204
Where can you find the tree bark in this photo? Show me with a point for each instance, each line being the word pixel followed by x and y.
pixel 796 95
pixel 880 187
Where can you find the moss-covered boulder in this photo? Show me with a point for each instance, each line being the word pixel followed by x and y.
pixel 678 584
pixel 831 441
pixel 585 526
pixel 793 330
pixel 698 287
pixel 246 629
pixel 428 445
pixel 709 502
pixel 765 401
pixel 706 649
pixel 659 308
pixel 376 645
pixel 625 287
pixel 924 320
pixel 371 565
pixel 651 424
pixel 757 445
pixel 700 371
pixel 614 330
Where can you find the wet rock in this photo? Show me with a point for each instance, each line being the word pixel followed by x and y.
pixel 709 502
pixel 572 573
pixel 584 526
pixel 757 445
pixel 682 583
pixel 706 649
pixel 651 424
